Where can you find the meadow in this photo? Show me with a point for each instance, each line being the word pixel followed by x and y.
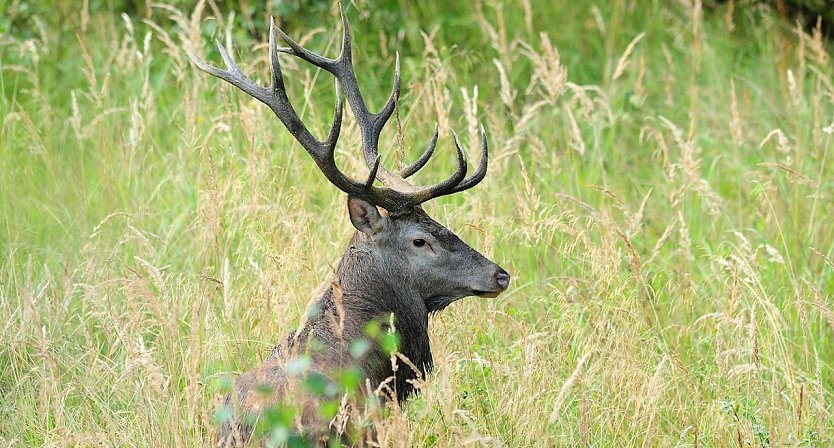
pixel 659 187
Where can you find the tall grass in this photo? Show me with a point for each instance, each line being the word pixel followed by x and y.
pixel 660 187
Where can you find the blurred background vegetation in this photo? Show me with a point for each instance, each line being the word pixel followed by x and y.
pixel 17 14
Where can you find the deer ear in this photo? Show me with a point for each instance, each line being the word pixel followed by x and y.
pixel 365 216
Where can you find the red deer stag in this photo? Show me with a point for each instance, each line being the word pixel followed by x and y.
pixel 400 262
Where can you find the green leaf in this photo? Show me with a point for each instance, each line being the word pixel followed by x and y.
pixel 223 414
pixel 298 366
pixel 316 383
pixel 264 389
pixel 373 329
pixel 350 379
pixel 358 347
pixel 390 343
pixel 329 409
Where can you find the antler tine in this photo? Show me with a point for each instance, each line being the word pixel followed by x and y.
pixel 424 158
pixel 336 128
pixel 345 74
pixel 274 63
pixel 447 186
pixel 372 175
pixel 480 173
pixel 384 114
pixel 297 50
pixel 232 74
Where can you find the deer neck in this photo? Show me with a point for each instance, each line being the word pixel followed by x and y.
pixel 366 289
pixel 371 289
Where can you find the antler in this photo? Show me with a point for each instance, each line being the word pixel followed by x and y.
pixel 396 195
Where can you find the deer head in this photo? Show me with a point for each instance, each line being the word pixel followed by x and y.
pixel 395 236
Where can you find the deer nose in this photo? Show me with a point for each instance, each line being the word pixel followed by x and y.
pixel 502 277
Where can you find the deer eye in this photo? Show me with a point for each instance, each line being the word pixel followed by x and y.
pixel 419 242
